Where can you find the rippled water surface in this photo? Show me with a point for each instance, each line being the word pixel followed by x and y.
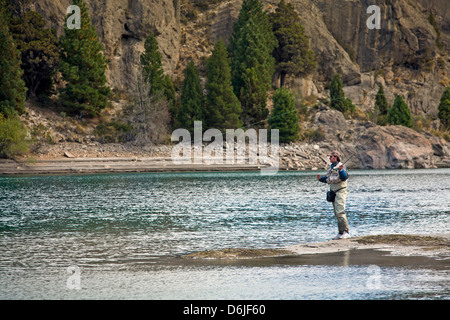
pixel 124 233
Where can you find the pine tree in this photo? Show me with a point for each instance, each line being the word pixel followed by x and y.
pixel 251 46
pixel 153 73
pixel 191 108
pixel 284 116
pixel 444 108
pixel 151 64
pixel 381 106
pixel 399 113
pixel 337 96
pixel 12 87
pixel 83 68
pixel 222 106
pixel 292 55
pixel 39 51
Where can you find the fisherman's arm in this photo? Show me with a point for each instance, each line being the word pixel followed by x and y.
pixel 343 174
pixel 322 178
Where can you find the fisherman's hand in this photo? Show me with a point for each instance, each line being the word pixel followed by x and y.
pixel 318 177
pixel 341 167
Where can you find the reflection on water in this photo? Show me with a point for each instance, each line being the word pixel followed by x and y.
pixel 125 233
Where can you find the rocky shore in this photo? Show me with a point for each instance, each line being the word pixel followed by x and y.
pixel 363 145
pixel 366 146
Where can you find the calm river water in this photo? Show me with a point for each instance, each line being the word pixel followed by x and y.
pixel 120 236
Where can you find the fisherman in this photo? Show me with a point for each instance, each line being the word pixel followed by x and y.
pixel 337 177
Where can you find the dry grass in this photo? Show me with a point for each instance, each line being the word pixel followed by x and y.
pixel 405 240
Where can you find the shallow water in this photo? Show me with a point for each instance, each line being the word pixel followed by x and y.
pixel 123 235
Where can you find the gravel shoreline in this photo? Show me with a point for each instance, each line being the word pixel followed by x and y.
pixel 94 157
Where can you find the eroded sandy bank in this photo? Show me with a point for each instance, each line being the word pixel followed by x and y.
pixel 436 247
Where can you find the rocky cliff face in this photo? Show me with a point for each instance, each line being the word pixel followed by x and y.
pixel 123 26
pixel 402 55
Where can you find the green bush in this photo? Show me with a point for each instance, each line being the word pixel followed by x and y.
pixel 13 138
pixel 444 108
pixel 284 116
pixel 337 96
pixel 400 114
pixel 113 131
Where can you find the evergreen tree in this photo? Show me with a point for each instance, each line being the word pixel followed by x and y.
pixel 284 116
pixel 399 113
pixel 39 51
pixel 292 55
pixel 151 64
pixel 444 108
pixel 191 108
pixel 153 73
pixel 381 106
pixel 83 68
pixel 251 46
pixel 12 87
pixel 337 96
pixel 222 106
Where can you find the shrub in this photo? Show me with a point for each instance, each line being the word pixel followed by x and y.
pixel 399 114
pixel 13 138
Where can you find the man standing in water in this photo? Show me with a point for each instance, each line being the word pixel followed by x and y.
pixel 337 177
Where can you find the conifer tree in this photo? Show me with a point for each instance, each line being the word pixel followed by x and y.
pixel 39 51
pixel 83 68
pixel 381 106
pixel 399 113
pixel 153 73
pixel 191 108
pixel 222 106
pixel 444 108
pixel 151 64
pixel 284 116
pixel 292 55
pixel 337 96
pixel 12 87
pixel 251 46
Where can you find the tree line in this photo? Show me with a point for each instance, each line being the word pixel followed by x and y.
pixel 238 77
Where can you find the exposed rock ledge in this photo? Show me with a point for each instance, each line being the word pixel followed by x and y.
pixel 436 246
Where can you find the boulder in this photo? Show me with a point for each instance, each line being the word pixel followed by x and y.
pixel 331 121
pixel 394 147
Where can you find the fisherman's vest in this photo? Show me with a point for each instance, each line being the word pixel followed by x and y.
pixel 333 178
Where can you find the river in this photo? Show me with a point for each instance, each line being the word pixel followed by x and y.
pixel 120 236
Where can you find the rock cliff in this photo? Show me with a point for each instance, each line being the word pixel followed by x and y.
pixel 123 26
pixel 403 55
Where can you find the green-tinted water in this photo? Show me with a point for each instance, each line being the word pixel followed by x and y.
pixel 122 234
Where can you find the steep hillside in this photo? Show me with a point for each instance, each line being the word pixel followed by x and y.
pixel 402 54
pixel 408 55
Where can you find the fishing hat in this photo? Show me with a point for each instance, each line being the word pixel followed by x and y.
pixel 335 153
